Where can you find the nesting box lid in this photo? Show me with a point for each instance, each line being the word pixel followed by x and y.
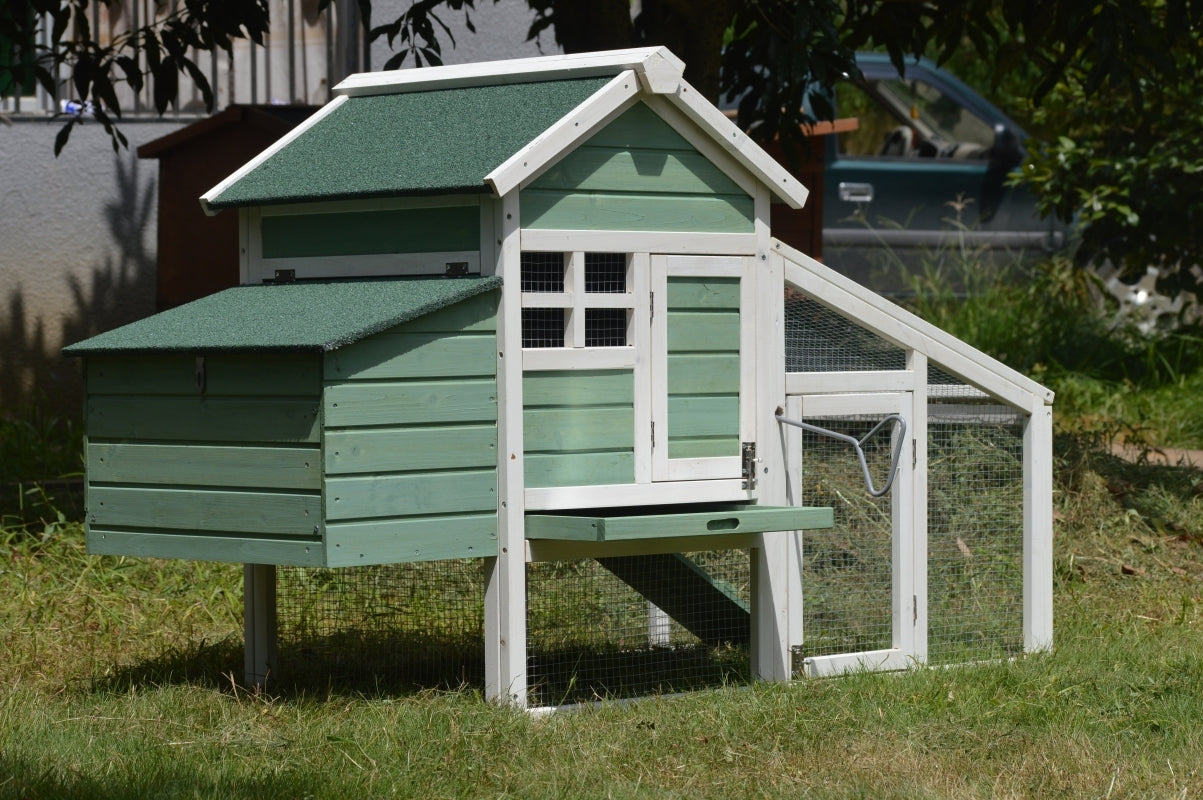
pixel 310 316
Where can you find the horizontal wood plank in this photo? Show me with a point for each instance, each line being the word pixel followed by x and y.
pixel 717 521
pixel 693 415
pixel 578 388
pixel 379 450
pixel 545 208
pixel 699 331
pixel 414 355
pixel 692 373
pixel 703 293
pixel 416 494
pixel 203 547
pixel 605 169
pixel 251 513
pixel 703 447
pixel 410 402
pixel 394 541
pixel 205 465
pixel 207 419
pixel 267 374
pixel 568 429
pixel 640 127
pixel 475 315
pixel 579 469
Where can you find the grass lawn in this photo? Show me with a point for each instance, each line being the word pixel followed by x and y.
pixel 114 684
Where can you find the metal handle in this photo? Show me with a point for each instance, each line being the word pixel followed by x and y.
pixel 858 445
pixel 856 192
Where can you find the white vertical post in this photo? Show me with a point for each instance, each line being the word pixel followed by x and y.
pixel 259 622
pixel 793 475
pixel 1038 529
pixel 771 656
pixel 505 588
pixel 910 521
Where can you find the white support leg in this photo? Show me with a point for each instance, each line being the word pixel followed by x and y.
pixel 1038 530
pixel 771 657
pixel 259 622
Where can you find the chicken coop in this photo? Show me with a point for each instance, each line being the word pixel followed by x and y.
pixel 518 379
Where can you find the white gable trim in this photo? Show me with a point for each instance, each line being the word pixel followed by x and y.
pixel 656 65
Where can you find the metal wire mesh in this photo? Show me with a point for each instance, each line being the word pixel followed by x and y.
pixel 605 327
pixel 542 272
pixel 543 327
pixel 847 572
pixel 590 635
pixel 400 627
pixel 605 272
pixel 975 526
pixel 818 339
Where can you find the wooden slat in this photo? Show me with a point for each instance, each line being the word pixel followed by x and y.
pixel 627 211
pixel 205 465
pixel 604 169
pixel 703 293
pixel 414 355
pixel 620 526
pixel 416 402
pixel 699 331
pixel 640 127
pixel 207 419
pixel 476 314
pixel 252 513
pixel 275 374
pixel 564 429
pixel 579 469
pixel 690 373
pixel 578 387
pixel 414 230
pixel 703 447
pixel 693 415
pixel 204 547
pixel 380 450
pixel 393 541
pixel 413 494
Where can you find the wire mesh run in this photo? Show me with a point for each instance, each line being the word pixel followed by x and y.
pixel 394 628
pixel 847 570
pixel 975 526
pixel 542 272
pixel 818 339
pixel 605 273
pixel 605 327
pixel 636 626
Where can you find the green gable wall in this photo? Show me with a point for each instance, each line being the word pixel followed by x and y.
pixel 637 173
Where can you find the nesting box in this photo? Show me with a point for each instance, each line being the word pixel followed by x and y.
pixel 519 311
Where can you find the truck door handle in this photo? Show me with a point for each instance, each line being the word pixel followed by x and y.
pixel 856 192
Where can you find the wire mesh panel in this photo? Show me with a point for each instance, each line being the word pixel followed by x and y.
pixel 636 625
pixel 818 339
pixel 847 570
pixel 542 272
pixel 605 327
pixel 975 526
pixel 605 273
pixel 398 627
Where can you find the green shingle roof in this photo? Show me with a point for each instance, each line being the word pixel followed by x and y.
pixel 315 316
pixel 442 141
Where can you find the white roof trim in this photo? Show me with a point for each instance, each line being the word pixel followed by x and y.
pixel 573 128
pixel 739 144
pixel 908 330
pixel 658 64
pixel 276 147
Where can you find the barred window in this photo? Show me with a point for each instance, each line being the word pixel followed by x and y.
pixel 575 299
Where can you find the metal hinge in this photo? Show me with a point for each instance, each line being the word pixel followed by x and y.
pixel 747 470
pixel 283 276
pixel 653 434
pixel 201 374
pixel 455 268
pixel 651 306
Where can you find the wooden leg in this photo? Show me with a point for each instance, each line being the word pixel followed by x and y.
pixel 259 622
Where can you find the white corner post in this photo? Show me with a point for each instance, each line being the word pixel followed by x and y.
pixel 259 622
pixel 909 500
pixel 770 652
pixel 505 580
pixel 1038 529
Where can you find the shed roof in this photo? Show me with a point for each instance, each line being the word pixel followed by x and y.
pixel 386 145
pixel 309 316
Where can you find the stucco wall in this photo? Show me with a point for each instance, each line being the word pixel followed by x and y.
pixel 77 250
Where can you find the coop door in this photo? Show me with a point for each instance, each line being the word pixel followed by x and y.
pixel 702 366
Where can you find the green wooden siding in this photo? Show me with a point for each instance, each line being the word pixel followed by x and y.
pixel 227 468
pixel 637 173
pixel 703 367
pixel 414 230
pixel 409 440
pixel 579 427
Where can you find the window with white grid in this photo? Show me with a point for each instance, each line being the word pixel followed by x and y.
pixel 576 300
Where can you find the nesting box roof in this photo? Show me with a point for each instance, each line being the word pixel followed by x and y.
pixel 310 316
pixel 474 128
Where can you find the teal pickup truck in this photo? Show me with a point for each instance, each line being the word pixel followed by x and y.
pixel 925 169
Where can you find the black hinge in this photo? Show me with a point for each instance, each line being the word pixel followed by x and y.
pixel 747 455
pixel 283 276
pixel 653 434
pixel 651 306
pixel 455 268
